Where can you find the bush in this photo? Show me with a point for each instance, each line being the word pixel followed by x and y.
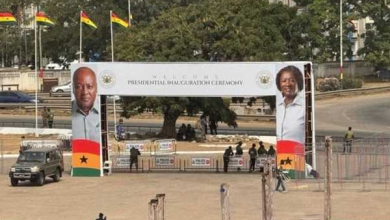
pixel 351 83
pixel 329 84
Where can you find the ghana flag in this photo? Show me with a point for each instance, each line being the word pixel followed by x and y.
pixel 86 158
pixel 85 19
pixel 42 19
pixel 7 18
pixel 291 156
pixel 116 20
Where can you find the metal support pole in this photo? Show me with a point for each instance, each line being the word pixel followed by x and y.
pixel 225 207
pixel 152 209
pixel 328 179
pixel 267 190
pixel 341 43
pixel 160 206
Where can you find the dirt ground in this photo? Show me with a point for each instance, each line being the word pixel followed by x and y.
pixel 188 197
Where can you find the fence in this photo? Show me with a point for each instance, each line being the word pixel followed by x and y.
pixel 183 163
pixel 366 167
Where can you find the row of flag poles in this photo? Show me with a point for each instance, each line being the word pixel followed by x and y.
pixel 41 18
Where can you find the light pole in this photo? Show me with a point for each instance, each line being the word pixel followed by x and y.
pixel 341 43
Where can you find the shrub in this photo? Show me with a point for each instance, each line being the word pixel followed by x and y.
pixel 329 84
pixel 351 83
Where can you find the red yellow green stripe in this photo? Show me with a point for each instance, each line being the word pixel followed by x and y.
pixel 86 158
pixel 42 19
pixel 86 20
pixel 115 19
pixel 7 18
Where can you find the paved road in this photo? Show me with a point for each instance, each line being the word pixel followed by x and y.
pixel 368 114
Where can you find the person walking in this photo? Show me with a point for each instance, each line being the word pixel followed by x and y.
pixel 280 178
pixel 50 118
pixel 44 115
pixel 348 139
pixel 134 153
pixel 252 155
pixel 226 158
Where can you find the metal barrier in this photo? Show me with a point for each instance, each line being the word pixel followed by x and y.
pixel 181 163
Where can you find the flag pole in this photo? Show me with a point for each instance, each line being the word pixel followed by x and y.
pixel 81 37
pixel 112 38
pixel 40 48
pixel 36 74
pixel 112 60
pixel 129 13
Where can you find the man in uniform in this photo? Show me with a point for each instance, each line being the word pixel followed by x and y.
pixel 348 140
pixel 134 158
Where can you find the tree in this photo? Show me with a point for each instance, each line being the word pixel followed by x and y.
pixel 376 48
pixel 319 24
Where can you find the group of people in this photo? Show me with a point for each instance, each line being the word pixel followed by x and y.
pixel 253 154
pixel 47 117
pixel 186 133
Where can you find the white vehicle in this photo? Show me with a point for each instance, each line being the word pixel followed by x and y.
pixel 54 66
pixel 67 87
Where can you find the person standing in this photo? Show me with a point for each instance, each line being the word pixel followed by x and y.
pixel 239 151
pixel 190 133
pixel 262 152
pixel 348 140
pixel 203 126
pixel 119 131
pixel 134 153
pixel 271 151
pixel 102 217
pixel 226 158
pixel 213 124
pixel 50 118
pixel 44 115
pixel 252 155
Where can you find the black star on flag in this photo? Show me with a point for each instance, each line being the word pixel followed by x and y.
pixel 84 159
pixel 288 160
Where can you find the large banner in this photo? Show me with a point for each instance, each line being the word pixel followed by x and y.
pixel 236 79
pixel 86 144
pixel 290 118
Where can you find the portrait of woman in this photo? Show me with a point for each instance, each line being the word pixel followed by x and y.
pixel 290 106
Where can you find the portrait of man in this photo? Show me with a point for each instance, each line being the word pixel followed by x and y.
pixel 85 106
pixel 290 106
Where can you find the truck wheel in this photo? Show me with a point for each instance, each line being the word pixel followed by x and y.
pixel 14 182
pixel 57 175
pixel 41 179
